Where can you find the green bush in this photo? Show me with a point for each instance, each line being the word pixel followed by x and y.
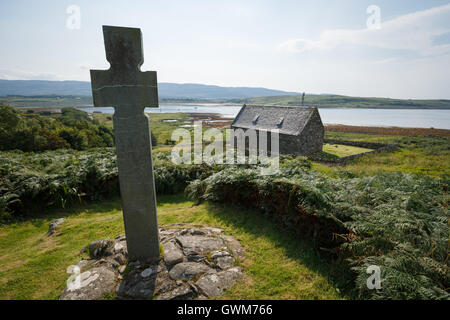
pixel 32 182
pixel 396 221
pixel 32 132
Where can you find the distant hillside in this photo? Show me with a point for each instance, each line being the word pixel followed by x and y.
pixel 43 87
pixel 53 94
pixel 336 101
pixel 165 90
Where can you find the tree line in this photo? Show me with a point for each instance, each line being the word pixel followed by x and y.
pixel 72 129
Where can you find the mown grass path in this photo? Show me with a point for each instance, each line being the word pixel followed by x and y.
pixel 277 264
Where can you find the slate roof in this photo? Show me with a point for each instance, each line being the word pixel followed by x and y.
pixel 288 120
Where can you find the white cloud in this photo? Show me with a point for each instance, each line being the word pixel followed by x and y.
pixel 414 32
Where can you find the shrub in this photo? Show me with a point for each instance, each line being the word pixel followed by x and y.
pixel 396 221
pixel 32 182
pixel 32 132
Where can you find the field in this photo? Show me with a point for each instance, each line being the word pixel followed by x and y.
pixel 309 231
pixel 343 150
pixel 34 265
pixel 423 155
pixel 161 129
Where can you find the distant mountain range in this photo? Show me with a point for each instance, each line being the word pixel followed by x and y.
pixel 166 90
pixel 53 94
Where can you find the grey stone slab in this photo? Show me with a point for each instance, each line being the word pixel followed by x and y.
pixel 129 90
pixel 188 270
pixel 234 245
pixel 224 262
pixel 172 254
pixel 219 253
pixel 199 245
pixel 90 285
pixel 213 285
pixel 183 292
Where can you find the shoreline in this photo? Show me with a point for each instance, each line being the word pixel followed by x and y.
pixel 217 120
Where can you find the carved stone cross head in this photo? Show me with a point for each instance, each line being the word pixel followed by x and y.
pixel 124 85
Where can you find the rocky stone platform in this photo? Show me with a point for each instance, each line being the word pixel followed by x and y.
pixel 196 263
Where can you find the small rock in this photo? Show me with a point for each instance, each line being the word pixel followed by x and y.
pixel 234 245
pixel 172 254
pixel 218 254
pixel 195 258
pixel 213 285
pixel 167 233
pixel 199 245
pixel 135 290
pixel 90 285
pixel 225 262
pixel 146 273
pixel 100 248
pixel 136 287
pixel 113 263
pixel 52 227
pixel 120 258
pixel 197 232
pixel 187 270
pixel 118 247
pixel 122 269
pixel 183 292
pixel 214 230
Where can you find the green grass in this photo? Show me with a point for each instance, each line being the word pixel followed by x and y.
pixel 343 150
pixel 277 265
pixel 423 155
pixel 162 130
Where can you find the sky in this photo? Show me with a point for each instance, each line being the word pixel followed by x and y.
pixel 375 48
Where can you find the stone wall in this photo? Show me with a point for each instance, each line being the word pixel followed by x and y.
pixel 311 138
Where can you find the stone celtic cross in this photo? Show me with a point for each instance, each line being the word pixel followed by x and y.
pixel 129 91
